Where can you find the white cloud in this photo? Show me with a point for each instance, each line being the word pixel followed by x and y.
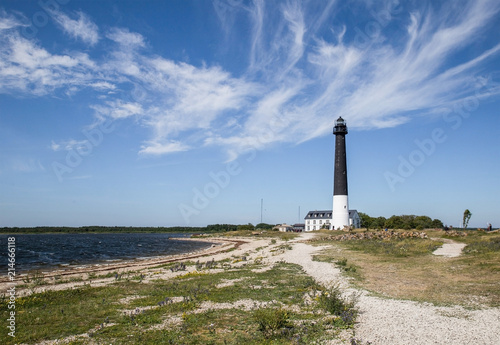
pixel 8 21
pixel 126 38
pixel 27 68
pixel 72 144
pixel 376 85
pixel 102 85
pixel 304 68
pixel 159 148
pixel 82 28
pixel 118 109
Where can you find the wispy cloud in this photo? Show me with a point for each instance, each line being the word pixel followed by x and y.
pixel 82 28
pixel 125 38
pixel 159 148
pixel 380 84
pixel 68 145
pixel 9 21
pixel 304 68
pixel 27 68
pixel 117 109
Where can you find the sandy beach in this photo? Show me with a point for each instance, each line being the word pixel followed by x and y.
pixel 382 321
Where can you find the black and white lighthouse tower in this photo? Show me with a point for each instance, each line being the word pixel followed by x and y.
pixel 340 214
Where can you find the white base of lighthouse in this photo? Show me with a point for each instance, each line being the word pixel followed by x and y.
pixel 340 216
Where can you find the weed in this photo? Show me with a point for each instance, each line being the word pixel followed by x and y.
pixel 355 341
pixel 178 267
pixel 395 247
pixel 272 321
pixel 483 246
pixel 335 303
pixel 35 279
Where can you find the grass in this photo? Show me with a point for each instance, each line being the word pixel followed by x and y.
pixel 130 311
pixel 284 236
pixel 397 248
pixel 407 269
pixel 344 308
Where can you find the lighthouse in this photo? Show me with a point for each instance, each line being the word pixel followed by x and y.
pixel 340 214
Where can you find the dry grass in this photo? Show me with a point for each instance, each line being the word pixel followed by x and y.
pixel 472 280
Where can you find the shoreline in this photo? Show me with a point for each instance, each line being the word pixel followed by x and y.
pixel 447 325
pixel 219 245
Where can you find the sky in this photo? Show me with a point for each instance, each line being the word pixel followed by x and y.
pixel 188 113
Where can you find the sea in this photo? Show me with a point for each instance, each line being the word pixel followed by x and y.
pixel 54 251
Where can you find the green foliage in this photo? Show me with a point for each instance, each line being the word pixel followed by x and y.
pixel 221 227
pixel 120 229
pixel 395 247
pixel 248 226
pixel 108 314
pixel 466 218
pixel 371 222
pixel 332 301
pixel 406 222
pixel 271 320
pixel 342 264
pixel 484 246
pixel 264 226
pixel 100 229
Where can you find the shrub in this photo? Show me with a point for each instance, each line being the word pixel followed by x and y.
pixel 483 246
pixel 335 303
pixel 271 320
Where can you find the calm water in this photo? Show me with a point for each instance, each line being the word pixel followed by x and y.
pixel 48 251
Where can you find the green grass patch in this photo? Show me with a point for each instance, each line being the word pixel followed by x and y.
pixel 107 314
pixel 385 268
pixel 394 247
pixel 483 246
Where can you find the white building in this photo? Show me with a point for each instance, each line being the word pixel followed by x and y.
pixel 316 220
pixel 284 227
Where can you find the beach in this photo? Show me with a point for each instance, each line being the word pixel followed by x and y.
pixel 381 320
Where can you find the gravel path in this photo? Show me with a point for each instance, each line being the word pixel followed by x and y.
pixel 450 249
pixel 400 322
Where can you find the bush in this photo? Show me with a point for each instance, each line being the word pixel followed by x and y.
pixel 271 320
pixel 483 246
pixel 248 226
pixel 336 304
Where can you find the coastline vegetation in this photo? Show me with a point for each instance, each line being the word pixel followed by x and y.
pixel 217 304
pixel 406 269
pixel 212 228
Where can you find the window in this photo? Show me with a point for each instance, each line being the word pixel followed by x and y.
pixel 314 221
pixel 320 221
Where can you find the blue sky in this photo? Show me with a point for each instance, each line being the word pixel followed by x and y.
pixel 163 113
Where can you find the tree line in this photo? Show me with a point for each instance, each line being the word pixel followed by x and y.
pixel 406 222
pixel 123 229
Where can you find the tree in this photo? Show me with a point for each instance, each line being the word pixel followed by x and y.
pixel 436 223
pixel 467 215
pixel 366 220
pixel 248 226
pixel 264 226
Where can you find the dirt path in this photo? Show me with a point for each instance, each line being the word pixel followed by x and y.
pixel 450 248
pixel 400 322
